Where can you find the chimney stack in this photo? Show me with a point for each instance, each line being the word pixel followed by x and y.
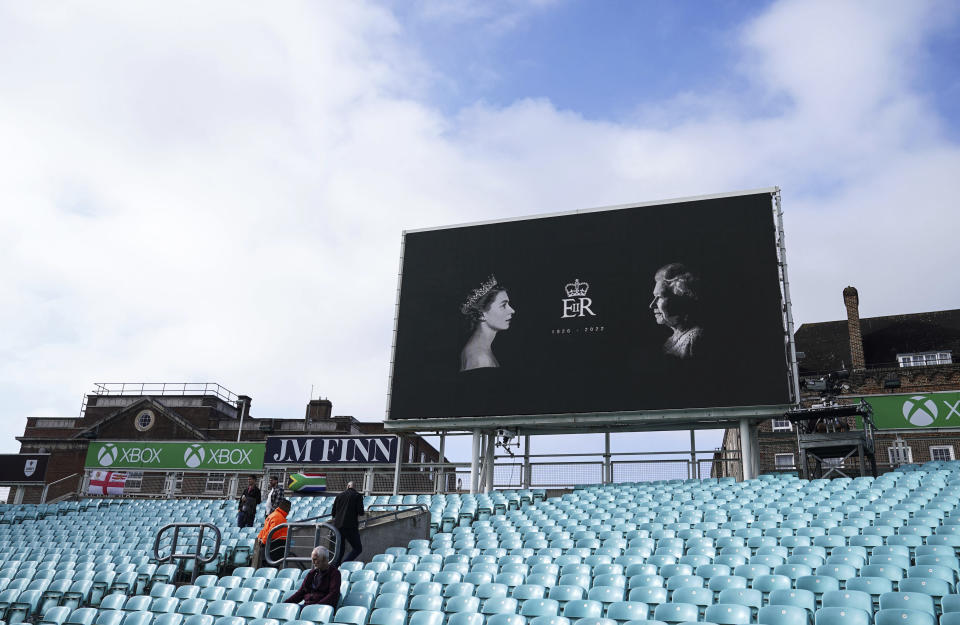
pixel 851 300
pixel 319 410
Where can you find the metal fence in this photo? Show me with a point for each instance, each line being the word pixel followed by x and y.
pixel 557 472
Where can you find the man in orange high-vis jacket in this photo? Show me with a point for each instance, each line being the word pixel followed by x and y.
pixel 279 541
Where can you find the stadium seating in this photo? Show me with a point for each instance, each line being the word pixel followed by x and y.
pixel 774 551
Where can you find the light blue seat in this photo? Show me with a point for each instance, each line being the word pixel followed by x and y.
pixel 904 617
pixel 199 619
pixel 651 595
pixel 141 617
pixel 582 608
pixel 55 615
pixel 161 605
pixel 83 616
pixel 467 618
pixel 196 605
pixel 429 617
pixel 783 615
pixel 387 616
pixel 109 617
pixel 622 611
pixel 251 610
pixel 352 614
pixel 284 611
pixel 169 618
pixel 728 614
pixel 841 616
pixel 539 607
pixel 848 599
pixel 907 601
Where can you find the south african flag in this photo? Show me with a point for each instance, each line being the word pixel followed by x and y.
pixel 306 483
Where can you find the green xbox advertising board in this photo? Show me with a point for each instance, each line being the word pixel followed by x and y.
pixel 915 411
pixel 181 456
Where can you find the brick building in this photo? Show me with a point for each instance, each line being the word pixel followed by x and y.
pixel 900 357
pixel 174 412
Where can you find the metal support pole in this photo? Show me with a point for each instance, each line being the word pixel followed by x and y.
pixel 607 467
pixel 440 485
pixel 694 467
pixel 396 467
pixel 18 496
pixel 488 461
pixel 475 463
pixel 527 469
pixel 746 449
pixel 368 481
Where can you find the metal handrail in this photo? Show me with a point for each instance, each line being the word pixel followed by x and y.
pixel 46 487
pixel 317 527
pixel 200 559
pixel 338 541
pixel 165 388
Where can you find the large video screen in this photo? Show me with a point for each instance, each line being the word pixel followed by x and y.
pixel 669 306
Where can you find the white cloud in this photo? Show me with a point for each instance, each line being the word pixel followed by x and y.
pixel 217 192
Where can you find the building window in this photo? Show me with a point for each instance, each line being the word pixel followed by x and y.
pixel 941 452
pixel 215 482
pixel 925 359
pixel 54 423
pixel 782 425
pixel 900 454
pixel 144 420
pixel 783 462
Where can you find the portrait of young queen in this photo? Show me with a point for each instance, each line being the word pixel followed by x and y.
pixel 488 311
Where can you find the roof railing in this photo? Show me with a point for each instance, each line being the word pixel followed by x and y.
pixel 166 388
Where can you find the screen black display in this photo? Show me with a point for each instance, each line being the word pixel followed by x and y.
pixel 668 306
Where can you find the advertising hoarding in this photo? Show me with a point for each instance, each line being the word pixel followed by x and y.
pixel 23 468
pixel 913 411
pixel 331 449
pixel 667 306
pixel 180 456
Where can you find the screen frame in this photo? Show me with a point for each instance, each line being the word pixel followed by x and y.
pixel 641 420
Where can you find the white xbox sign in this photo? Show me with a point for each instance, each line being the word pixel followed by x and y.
pixel 919 411
pixel 193 456
pixel 107 455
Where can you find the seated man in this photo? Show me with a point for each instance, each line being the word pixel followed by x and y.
pixel 322 583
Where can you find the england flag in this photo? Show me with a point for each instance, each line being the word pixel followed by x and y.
pixel 107 483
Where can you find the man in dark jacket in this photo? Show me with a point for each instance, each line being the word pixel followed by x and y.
pixel 249 501
pixel 322 583
pixel 347 507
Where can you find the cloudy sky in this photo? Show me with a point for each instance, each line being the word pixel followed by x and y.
pixel 216 191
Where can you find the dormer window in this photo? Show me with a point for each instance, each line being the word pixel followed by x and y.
pixel 925 359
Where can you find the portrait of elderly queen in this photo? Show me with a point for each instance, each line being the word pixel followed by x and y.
pixel 488 311
pixel 677 305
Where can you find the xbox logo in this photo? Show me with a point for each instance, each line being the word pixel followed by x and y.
pixel 193 456
pixel 107 454
pixel 919 411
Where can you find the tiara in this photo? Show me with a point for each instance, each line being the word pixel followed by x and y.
pixel 478 294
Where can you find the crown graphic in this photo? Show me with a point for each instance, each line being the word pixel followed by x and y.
pixel 577 288
pixel 478 294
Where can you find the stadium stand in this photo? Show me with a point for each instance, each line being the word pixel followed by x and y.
pixel 774 551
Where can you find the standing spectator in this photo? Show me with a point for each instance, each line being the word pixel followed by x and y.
pixel 274 495
pixel 322 583
pixel 347 507
pixel 279 541
pixel 249 501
